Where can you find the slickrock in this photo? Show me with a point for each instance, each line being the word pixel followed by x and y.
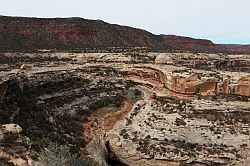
pixel 178 131
pixel 11 128
pixel 131 108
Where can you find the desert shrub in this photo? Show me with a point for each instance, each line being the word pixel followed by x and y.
pixel 5 164
pixel 10 138
pixel 58 155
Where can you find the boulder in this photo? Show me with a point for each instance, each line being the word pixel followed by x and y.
pixel 11 128
pixel 164 59
pixel 25 67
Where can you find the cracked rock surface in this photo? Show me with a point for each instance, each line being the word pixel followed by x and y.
pixel 128 108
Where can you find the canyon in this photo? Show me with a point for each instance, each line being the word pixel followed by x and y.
pixel 120 96
pixel 133 108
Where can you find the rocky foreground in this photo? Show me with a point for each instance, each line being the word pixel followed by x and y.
pixel 126 108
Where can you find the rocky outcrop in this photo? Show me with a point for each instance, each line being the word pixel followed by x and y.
pixel 205 61
pixel 204 85
pixel 125 108
pixel 3 90
pixel 187 82
pixel 53 100
pixel 11 128
pixel 158 133
pixel 15 148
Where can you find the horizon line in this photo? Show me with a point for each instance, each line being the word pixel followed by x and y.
pixel 90 19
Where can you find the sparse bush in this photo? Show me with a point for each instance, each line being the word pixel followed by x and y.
pixel 4 164
pixel 58 155
pixel 10 138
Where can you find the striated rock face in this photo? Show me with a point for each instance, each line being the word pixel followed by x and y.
pixel 234 47
pixel 31 34
pixel 176 131
pixel 131 108
pixel 187 82
pixel 3 90
pixel 70 33
pixel 188 43
pixel 195 117
pixel 205 61
pixel 202 45
pixel 61 100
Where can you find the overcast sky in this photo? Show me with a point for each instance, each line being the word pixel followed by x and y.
pixel 222 21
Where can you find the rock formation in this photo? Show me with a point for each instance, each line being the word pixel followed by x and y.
pixel 131 108
pixel 82 35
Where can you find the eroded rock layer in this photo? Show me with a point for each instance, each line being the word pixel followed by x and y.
pixel 127 108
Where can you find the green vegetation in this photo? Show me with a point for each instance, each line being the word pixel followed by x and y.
pixel 10 138
pixel 58 155
pixel 5 164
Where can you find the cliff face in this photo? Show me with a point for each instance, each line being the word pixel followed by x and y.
pixel 202 45
pixel 20 33
pixel 234 47
pixel 180 42
pixel 70 33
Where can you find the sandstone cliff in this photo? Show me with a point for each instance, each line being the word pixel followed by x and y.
pixel 71 33
pixel 22 33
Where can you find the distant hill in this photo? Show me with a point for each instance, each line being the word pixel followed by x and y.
pixel 191 44
pixel 234 48
pixel 70 33
pixel 188 43
pixel 23 33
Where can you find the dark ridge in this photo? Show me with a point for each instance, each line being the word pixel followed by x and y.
pixel 21 33
pixel 33 34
